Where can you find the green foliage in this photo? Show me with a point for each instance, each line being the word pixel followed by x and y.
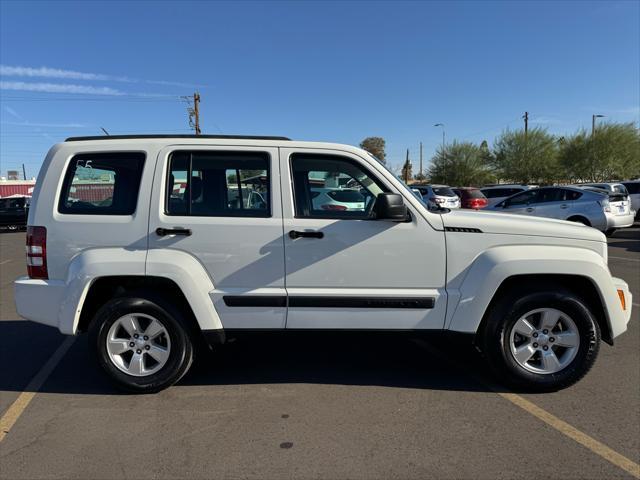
pixel 527 158
pixel 612 153
pixel 375 146
pixel 462 165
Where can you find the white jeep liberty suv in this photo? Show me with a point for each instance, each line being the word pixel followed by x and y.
pixel 152 243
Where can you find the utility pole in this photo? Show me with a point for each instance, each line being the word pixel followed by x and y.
pixel 421 160
pixel 24 173
pixel 526 124
pixel 196 111
pixel 193 110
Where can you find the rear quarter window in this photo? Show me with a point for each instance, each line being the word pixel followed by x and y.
pixel 102 184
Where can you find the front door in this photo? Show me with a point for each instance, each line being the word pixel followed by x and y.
pixel 344 269
pixel 228 200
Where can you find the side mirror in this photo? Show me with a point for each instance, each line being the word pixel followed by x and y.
pixel 390 206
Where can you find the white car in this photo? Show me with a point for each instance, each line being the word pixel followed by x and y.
pixel 633 187
pixel 150 268
pixel 337 199
pixel 497 193
pixel 438 196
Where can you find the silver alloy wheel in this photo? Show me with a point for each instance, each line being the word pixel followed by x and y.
pixel 138 344
pixel 544 341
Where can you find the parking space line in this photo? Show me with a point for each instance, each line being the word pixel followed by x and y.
pixel 16 409
pixel 624 258
pixel 573 433
pixel 4 261
pixel 554 422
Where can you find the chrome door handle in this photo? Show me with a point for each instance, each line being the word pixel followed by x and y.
pixel 530 209
pixel 564 205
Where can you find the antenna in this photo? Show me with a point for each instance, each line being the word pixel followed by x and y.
pixel 105 132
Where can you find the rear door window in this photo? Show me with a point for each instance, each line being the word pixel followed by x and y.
pixel 102 184
pixel 218 184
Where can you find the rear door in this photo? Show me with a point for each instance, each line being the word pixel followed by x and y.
pixel 223 203
pixel 550 203
pixel 346 270
pixel 523 203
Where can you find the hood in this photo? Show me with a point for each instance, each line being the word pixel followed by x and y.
pixel 505 223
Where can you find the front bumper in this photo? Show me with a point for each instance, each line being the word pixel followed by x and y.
pixel 624 315
pixel 620 221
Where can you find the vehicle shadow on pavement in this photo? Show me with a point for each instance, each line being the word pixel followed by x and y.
pixel 319 358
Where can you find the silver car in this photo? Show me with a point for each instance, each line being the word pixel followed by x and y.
pixel 496 193
pixel 590 206
pixel 438 196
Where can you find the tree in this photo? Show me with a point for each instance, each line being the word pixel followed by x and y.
pixel 461 164
pixel 613 152
pixel 375 146
pixel 527 157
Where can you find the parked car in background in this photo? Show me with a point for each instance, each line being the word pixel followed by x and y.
pixel 633 187
pixel 589 206
pixel 496 193
pixel 618 208
pixel 438 196
pixel 14 212
pixel 337 199
pixel 471 197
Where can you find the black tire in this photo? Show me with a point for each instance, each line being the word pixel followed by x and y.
pixel 495 344
pixel 180 356
pixel 581 220
pixel 610 232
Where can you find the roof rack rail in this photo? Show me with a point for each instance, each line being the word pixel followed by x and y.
pixel 131 137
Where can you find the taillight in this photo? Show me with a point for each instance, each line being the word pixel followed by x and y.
pixel 37 252
pixel 333 207
pixel 605 205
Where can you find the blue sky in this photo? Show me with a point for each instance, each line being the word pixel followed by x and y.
pixel 328 71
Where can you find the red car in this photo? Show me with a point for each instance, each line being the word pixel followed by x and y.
pixel 471 197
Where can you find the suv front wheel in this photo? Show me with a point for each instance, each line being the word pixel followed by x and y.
pixel 542 340
pixel 141 343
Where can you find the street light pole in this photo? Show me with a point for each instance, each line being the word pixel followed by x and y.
pixel 444 156
pixel 593 124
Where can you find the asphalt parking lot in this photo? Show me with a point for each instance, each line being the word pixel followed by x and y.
pixel 329 407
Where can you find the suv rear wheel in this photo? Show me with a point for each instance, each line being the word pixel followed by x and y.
pixel 142 343
pixel 541 341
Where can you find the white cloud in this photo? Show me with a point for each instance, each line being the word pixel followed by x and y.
pixel 58 88
pixel 48 72
pixel 545 120
pixel 45 125
pixel 13 113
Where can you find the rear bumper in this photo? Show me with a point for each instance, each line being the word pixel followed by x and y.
pixel 620 221
pixel 49 302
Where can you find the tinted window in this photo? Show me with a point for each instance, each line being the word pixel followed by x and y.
pixel 102 184
pixel 633 187
pixel 346 196
pixel 545 195
pixel 443 191
pixel 569 195
pixel 218 184
pixel 473 193
pixel 522 199
pixel 332 187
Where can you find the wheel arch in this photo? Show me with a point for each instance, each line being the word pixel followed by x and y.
pixel 500 268
pixel 583 286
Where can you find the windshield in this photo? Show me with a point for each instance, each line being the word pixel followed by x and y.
pixel 443 191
